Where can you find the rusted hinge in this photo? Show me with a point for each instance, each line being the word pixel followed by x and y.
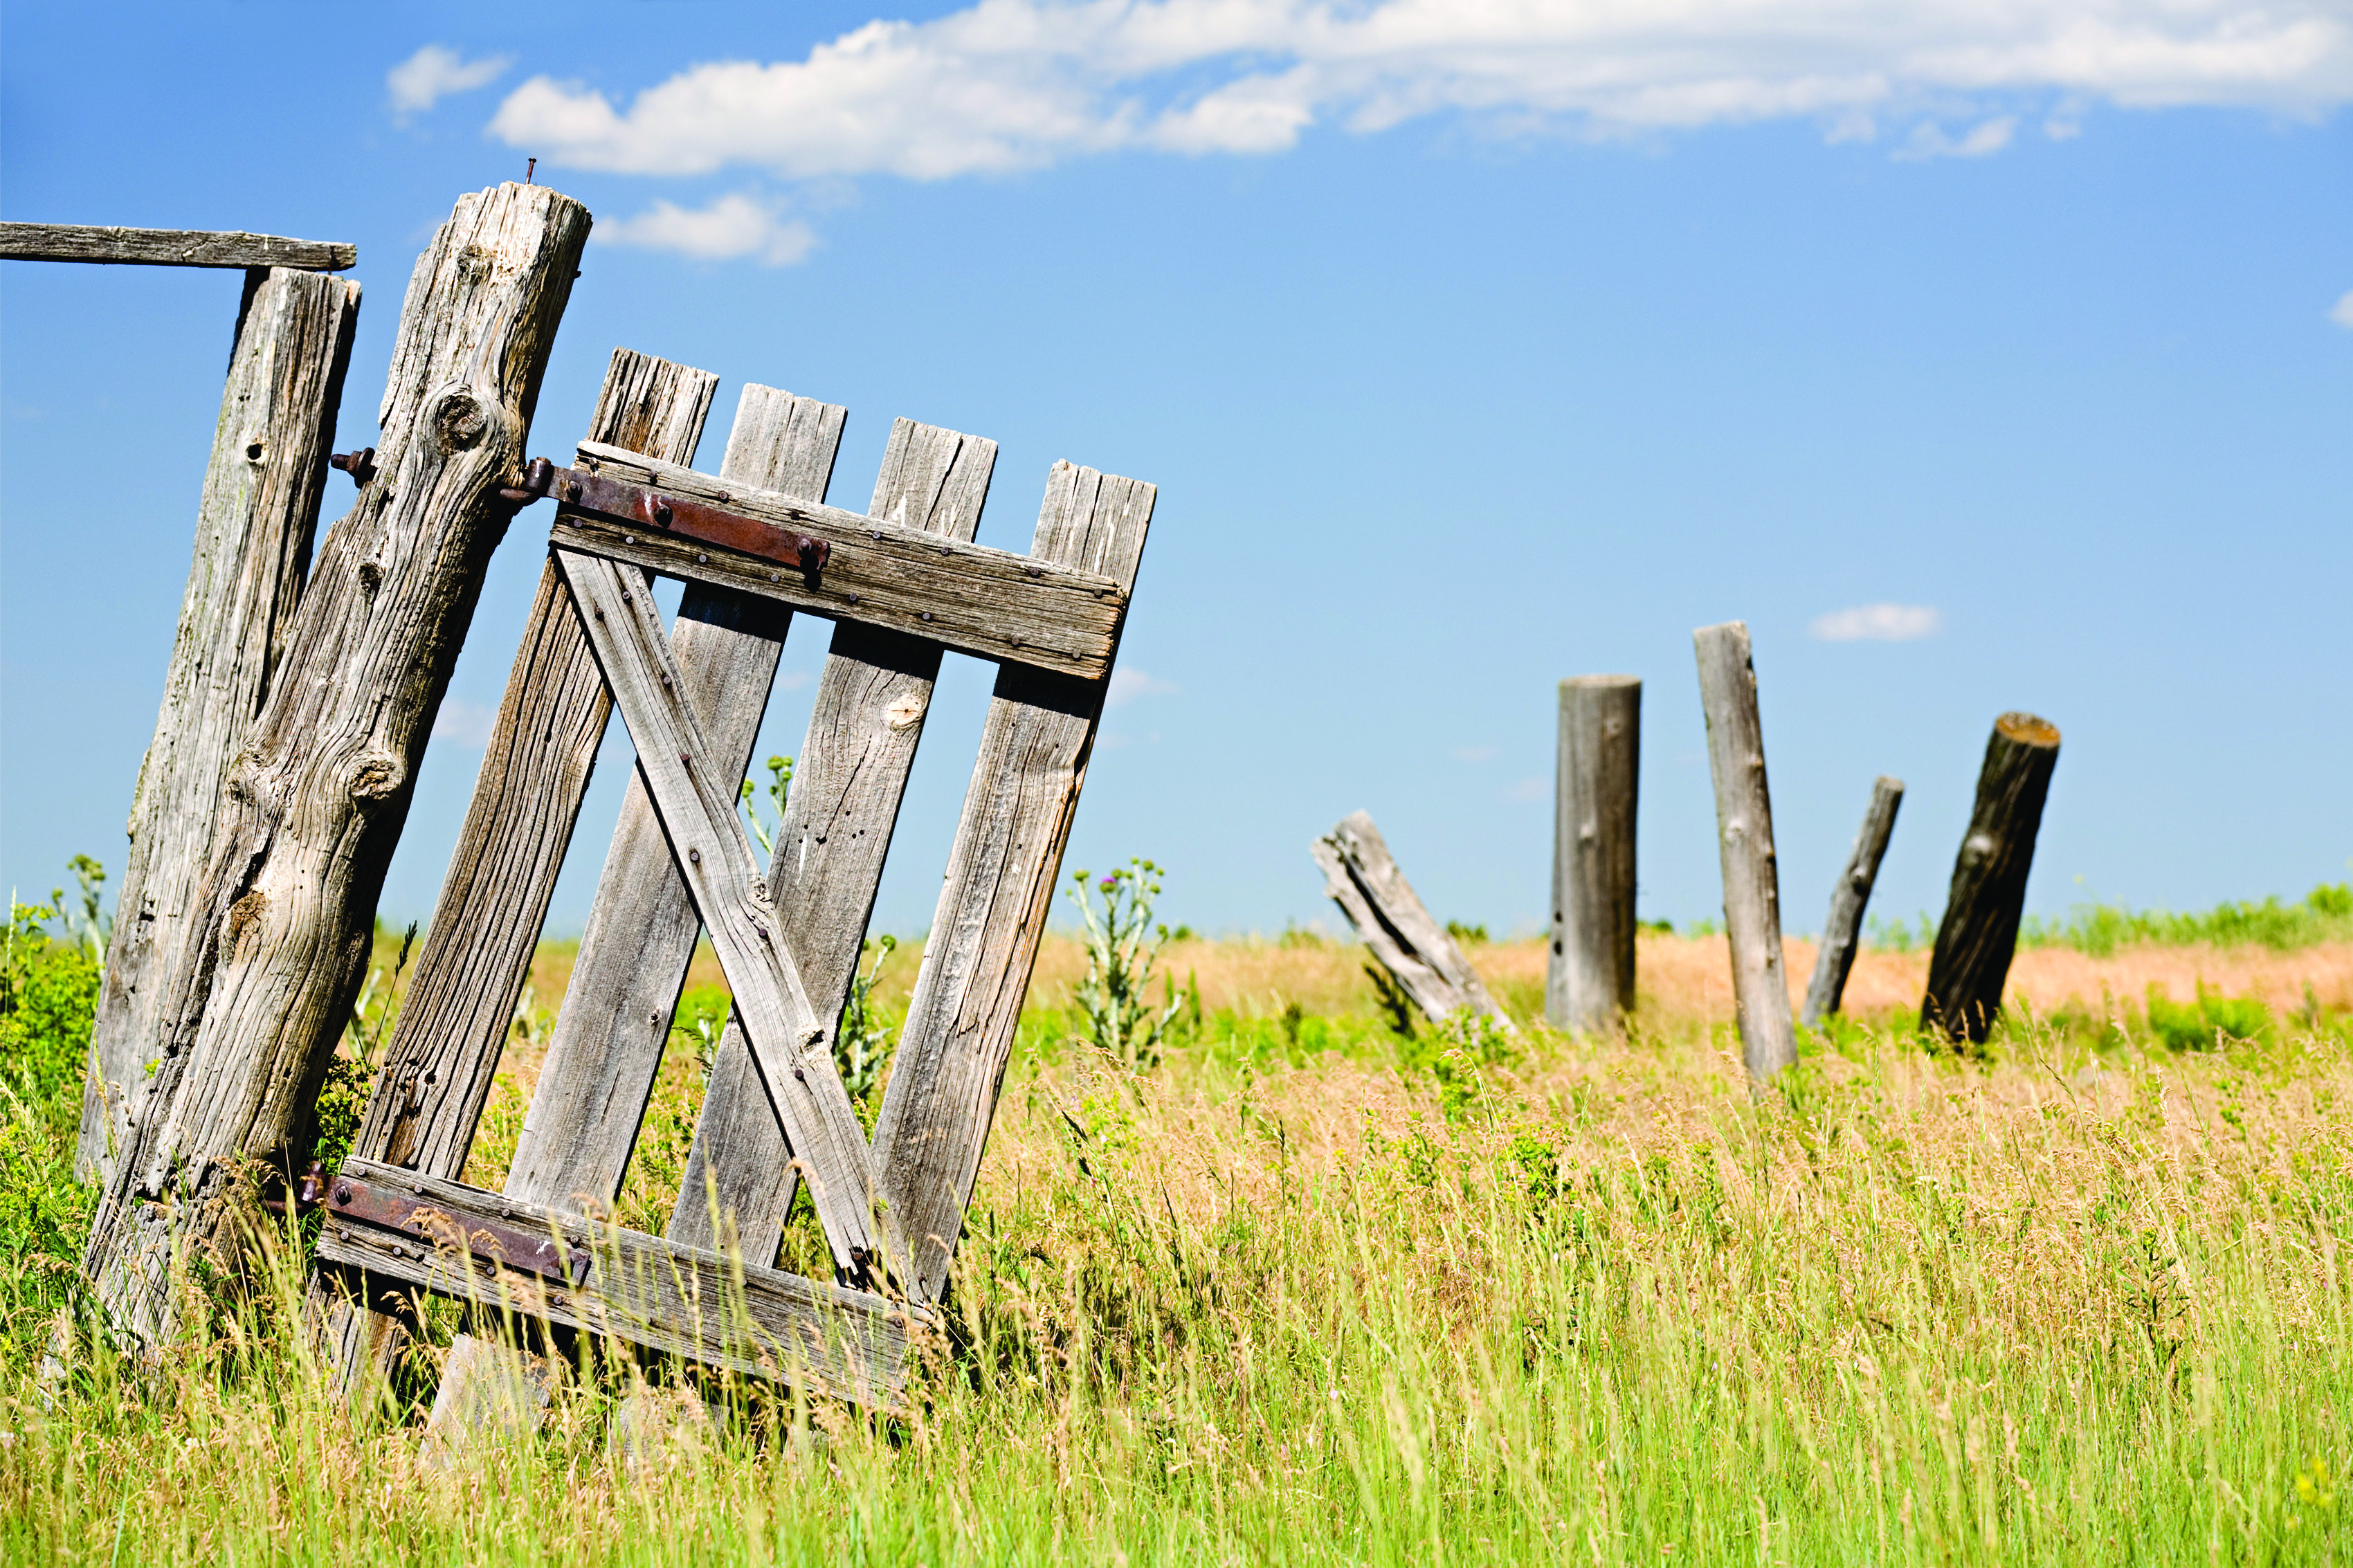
pixel 416 1215
pixel 585 491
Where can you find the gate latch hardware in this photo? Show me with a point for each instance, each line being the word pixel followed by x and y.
pixel 510 1245
pixel 584 491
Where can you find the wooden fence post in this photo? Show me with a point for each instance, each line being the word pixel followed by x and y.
pixel 1835 959
pixel 279 929
pixel 254 525
pixel 1978 934
pixel 1362 877
pixel 1589 978
pixel 1744 818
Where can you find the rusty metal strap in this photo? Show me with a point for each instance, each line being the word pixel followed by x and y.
pixel 536 1253
pixel 584 489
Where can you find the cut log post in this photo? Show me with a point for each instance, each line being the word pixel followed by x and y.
pixel 1843 926
pixel 1978 934
pixel 170 247
pixel 459 1005
pixel 1744 819
pixel 280 931
pixel 1589 978
pixel 1362 877
pixel 254 525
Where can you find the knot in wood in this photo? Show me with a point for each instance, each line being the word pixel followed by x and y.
pixel 376 776
pixel 242 936
pixel 459 421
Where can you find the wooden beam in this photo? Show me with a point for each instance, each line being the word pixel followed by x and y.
pixel 641 1290
pixel 1978 936
pixel 697 802
pixel 1744 819
pixel 279 936
pixel 863 729
pixel 1589 975
pixel 999 892
pixel 1841 927
pixel 991 603
pixel 170 247
pixel 255 521
pixel 1362 877
pixel 460 1003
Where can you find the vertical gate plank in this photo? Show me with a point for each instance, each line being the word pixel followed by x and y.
pixel 254 522
pixel 844 803
pixel 455 1015
pixel 999 890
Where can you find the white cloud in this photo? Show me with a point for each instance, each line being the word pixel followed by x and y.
pixel 730 227
pixel 1879 623
pixel 1930 141
pixel 433 73
pixel 1129 683
pixel 1011 84
pixel 464 723
pixel 2342 312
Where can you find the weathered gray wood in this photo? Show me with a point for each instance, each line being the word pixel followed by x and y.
pixel 1841 928
pixel 170 247
pixel 695 796
pixel 1589 978
pixel 606 1047
pixel 1978 934
pixel 998 891
pixel 852 773
pixel 459 1002
pixel 1744 820
pixel 1362 877
pixel 280 931
pixel 989 602
pixel 641 1290
pixel 255 520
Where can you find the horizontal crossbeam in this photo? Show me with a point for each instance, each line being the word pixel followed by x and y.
pixel 170 247
pixel 992 604
pixel 672 1299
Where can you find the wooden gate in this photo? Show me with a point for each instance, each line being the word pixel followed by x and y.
pixel 901 583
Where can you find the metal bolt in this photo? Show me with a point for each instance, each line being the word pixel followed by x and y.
pixel 926 614
pixel 572 490
pixel 695 856
pixel 343 1194
pixel 703 561
pixel 662 513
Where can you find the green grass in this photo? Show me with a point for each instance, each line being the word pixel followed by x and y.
pixel 1310 1293
pixel 2324 914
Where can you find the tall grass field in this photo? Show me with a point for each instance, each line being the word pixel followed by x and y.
pixel 1313 1290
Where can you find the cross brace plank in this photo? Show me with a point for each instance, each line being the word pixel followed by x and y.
pixel 170 247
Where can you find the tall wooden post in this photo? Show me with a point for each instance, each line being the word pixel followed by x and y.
pixel 1744 818
pixel 280 924
pixel 1589 979
pixel 1978 934
pixel 1835 957
pixel 254 525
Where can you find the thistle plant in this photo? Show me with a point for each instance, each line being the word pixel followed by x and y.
pixel 863 1046
pixel 780 780
pixel 1123 950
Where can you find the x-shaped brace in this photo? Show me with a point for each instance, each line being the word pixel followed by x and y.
pixel 697 804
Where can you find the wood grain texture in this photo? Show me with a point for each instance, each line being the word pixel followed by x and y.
pixel 1590 974
pixel 696 800
pixel 609 1035
pixel 1843 927
pixel 641 1289
pixel 1744 820
pixel 991 603
pixel 863 729
pixel 1362 877
pixel 170 247
pixel 998 891
pixel 280 931
pixel 1978 936
pixel 459 1001
pixel 255 520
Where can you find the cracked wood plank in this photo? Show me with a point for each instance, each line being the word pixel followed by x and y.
pixel 1362 877
pixel 170 247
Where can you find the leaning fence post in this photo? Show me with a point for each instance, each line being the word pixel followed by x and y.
pixel 280 922
pixel 1363 878
pixel 1836 959
pixel 1589 977
pixel 1744 818
pixel 1978 934
pixel 254 522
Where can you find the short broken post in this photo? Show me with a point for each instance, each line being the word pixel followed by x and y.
pixel 1362 877
pixel 1978 934
pixel 1589 976
pixel 1744 819
pixel 1843 925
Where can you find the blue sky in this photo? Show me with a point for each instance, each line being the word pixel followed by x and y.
pixel 1470 346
